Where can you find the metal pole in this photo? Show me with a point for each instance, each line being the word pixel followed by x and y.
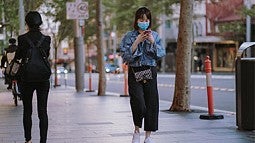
pixel 79 57
pixel 21 18
pixel 55 64
pixel 163 38
pixel 4 28
pixel 114 44
pixel 248 26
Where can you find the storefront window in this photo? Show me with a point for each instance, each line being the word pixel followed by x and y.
pixel 225 57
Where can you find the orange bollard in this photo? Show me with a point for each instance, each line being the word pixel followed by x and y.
pixel 208 71
pixel 125 70
pixel 90 79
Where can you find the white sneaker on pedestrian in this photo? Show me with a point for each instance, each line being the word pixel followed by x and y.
pixel 148 140
pixel 29 141
pixel 136 138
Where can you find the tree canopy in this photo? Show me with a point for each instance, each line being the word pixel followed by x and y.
pixel 118 12
pixel 11 12
pixel 121 12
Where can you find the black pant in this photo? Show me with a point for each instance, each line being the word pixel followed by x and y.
pixel 144 101
pixel 42 89
pixel 8 80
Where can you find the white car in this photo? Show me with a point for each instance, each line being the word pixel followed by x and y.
pixel 62 70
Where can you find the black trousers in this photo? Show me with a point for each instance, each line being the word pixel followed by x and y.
pixel 42 89
pixel 144 100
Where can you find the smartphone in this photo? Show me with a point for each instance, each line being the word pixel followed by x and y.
pixel 147 31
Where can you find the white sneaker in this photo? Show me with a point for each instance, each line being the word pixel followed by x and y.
pixel 29 141
pixel 136 138
pixel 148 140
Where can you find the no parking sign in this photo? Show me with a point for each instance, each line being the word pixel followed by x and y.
pixel 77 10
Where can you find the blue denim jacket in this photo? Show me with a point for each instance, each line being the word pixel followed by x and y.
pixel 146 53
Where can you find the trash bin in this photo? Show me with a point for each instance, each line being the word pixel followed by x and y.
pixel 245 89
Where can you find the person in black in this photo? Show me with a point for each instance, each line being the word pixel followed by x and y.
pixel 7 58
pixel 27 86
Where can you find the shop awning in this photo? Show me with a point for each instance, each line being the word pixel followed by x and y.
pixel 207 39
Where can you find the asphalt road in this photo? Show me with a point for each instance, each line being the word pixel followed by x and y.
pixel 223 88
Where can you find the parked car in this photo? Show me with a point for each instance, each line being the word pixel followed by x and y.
pixel 62 70
pixel 111 68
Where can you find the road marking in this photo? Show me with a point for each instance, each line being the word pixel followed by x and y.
pixel 200 87
pixel 200 76
pixel 192 76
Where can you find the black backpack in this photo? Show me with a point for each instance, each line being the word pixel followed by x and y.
pixel 36 66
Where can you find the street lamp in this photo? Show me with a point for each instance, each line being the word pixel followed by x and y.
pixel 113 35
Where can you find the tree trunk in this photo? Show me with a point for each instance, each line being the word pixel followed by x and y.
pixel 181 99
pixel 100 50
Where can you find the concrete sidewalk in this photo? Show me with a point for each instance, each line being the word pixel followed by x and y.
pixel 88 118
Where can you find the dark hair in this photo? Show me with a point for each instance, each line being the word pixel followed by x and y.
pixel 139 14
pixel 33 19
pixel 12 41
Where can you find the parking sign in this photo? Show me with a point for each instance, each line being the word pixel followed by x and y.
pixel 77 10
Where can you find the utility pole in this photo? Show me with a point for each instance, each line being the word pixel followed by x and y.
pixel 3 25
pixel 114 36
pixel 79 58
pixel 21 18
pixel 78 11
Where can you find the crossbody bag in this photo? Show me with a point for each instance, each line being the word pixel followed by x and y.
pixel 143 74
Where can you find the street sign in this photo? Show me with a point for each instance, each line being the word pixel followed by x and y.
pixel 77 10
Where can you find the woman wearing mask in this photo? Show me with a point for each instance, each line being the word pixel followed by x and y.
pixel 34 50
pixel 140 49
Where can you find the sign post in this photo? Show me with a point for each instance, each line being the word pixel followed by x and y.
pixel 78 11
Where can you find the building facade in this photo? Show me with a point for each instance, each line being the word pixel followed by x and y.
pixel 207 40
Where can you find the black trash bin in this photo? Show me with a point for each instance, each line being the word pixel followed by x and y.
pixel 245 89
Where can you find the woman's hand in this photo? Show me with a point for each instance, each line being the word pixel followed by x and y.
pixel 141 37
pixel 151 38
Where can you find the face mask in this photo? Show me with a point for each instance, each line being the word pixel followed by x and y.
pixel 143 25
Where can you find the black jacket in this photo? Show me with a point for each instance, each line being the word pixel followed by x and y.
pixel 22 52
pixel 35 36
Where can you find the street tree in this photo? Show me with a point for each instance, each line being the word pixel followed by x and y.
pixel 10 12
pixel 100 50
pixel 181 99
pixel 122 12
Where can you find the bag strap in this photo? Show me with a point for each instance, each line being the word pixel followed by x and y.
pixel 141 70
pixel 38 43
pixel 36 46
pixel 43 54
